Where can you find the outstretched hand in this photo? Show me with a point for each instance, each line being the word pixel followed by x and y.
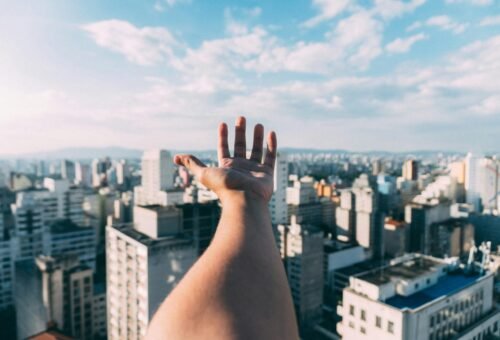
pixel 238 174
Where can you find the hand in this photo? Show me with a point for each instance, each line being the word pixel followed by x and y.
pixel 235 175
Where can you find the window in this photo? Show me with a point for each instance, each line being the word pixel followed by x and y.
pixel 351 324
pixel 378 322
pixel 390 327
pixel 428 281
pixel 416 285
pixel 363 315
pixel 351 310
pixel 363 330
pixel 431 322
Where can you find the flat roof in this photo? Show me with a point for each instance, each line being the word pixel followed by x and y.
pixel 67 226
pixel 407 270
pixel 446 286
pixel 129 230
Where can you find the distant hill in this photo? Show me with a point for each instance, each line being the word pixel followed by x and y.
pixel 81 153
pixel 116 152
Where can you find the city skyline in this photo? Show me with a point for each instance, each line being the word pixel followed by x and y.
pixel 357 75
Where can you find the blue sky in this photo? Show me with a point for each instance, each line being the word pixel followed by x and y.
pixel 360 75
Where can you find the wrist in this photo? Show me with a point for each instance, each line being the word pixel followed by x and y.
pixel 236 199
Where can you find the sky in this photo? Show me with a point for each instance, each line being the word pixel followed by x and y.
pixel 335 74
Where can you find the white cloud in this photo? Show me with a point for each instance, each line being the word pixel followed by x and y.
pixel 414 26
pixel 491 21
pixel 394 8
pixel 237 19
pixel 472 2
pixel 352 44
pixel 328 9
pixel 160 4
pixel 144 46
pixel 403 45
pixel 446 23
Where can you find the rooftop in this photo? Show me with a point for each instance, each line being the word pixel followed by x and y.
pixel 66 226
pixel 128 229
pixel 407 270
pixel 446 285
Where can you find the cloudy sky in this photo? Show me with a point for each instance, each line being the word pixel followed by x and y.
pixel 360 75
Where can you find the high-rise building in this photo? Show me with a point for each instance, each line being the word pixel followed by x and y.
pixel 83 175
pixel 66 237
pixel 420 216
pixel 69 199
pixel 358 217
pixel 278 204
pixel 29 231
pixel 6 269
pixel 410 170
pixel 145 260
pixel 99 171
pixel 482 182
pixel 396 237
pixel 451 238
pixel 304 203
pixel 200 220
pixel 369 220
pixel 419 297
pixel 377 167
pixel 122 173
pixel 157 184
pixel 99 311
pixel 68 170
pixel 301 247
pixel 54 290
pixel 345 216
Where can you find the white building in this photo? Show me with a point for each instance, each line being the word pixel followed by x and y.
pixel 157 183
pixel 358 217
pixel 66 237
pixel 418 297
pixel 122 172
pixel 278 204
pixel 69 199
pixel 301 192
pixel 6 269
pixel 301 247
pixel 482 182
pixel 54 290
pixel 99 311
pixel 145 260
pixel 29 236
pixel 83 175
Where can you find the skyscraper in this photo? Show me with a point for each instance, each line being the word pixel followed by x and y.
pixel 410 170
pixel 359 218
pixel 145 260
pixel 301 247
pixel 157 184
pixel 68 170
pixel 29 230
pixel 278 206
pixel 54 290
pixel 6 269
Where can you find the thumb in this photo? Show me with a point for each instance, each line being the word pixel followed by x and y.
pixel 193 164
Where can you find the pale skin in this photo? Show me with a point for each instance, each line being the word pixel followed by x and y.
pixel 238 288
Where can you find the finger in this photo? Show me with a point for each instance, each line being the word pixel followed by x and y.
pixel 240 143
pixel 193 164
pixel 258 139
pixel 272 145
pixel 222 148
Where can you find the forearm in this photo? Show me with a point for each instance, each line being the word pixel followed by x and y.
pixel 238 288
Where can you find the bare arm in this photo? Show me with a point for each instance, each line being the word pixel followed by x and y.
pixel 238 288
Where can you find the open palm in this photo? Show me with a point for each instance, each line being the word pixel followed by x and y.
pixel 253 176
